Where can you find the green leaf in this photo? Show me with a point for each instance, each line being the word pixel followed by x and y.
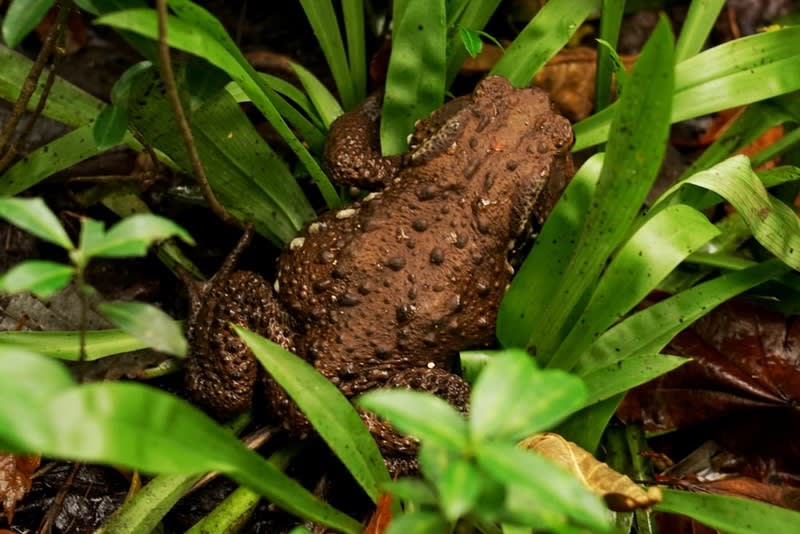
pixel 733 74
pixel 33 215
pixel 196 31
pixel 230 515
pixel 412 490
pixel 733 515
pixel 649 330
pixel 42 278
pixel 65 102
pixel 133 235
pixel 586 427
pixel 694 32
pixel 324 102
pixel 418 522
pixel 144 511
pixel 418 414
pixel 148 324
pixel 472 41
pixel 322 17
pixel 353 11
pixel 65 345
pixel 551 485
pixel 459 488
pixel 471 15
pixel 513 399
pixel 534 287
pixel 136 426
pixel 608 60
pixel 22 17
pixel 110 128
pixel 327 409
pixel 633 157
pixel 773 223
pixel 545 34
pixel 619 377
pixel 647 257
pixel 415 81
pixel 248 177
pixel 57 155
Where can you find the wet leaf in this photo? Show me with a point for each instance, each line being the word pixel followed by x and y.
pixel 15 480
pixel 744 356
pixel 620 492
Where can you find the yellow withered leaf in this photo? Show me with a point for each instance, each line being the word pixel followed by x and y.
pixel 620 493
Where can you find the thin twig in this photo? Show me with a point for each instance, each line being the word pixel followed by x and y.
pixel 29 85
pixel 168 77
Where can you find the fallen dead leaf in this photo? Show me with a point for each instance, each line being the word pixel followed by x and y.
pixel 15 480
pixel 620 493
pixel 381 516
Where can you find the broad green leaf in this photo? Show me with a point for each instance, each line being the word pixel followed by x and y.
pixel 773 223
pixel 33 215
pixel 553 486
pixel 65 345
pixel 418 414
pixel 327 409
pixel 733 515
pixel 635 370
pixel 144 511
pixel 545 34
pixel 148 324
pixel 633 157
pixel 649 330
pixel 198 32
pixel 65 102
pixel 133 235
pixel 57 155
pixel 22 17
pixel 324 102
pixel 93 232
pixel 322 17
pixel 459 488
pixel 136 426
pixel 110 128
pixel 415 81
pixel 513 399
pixel 248 177
pixel 42 278
pixel 648 256
pixel 533 286
pixel 418 522
pixel 733 74
pixel 472 41
pixel 694 32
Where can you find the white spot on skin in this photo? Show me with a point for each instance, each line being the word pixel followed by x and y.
pixel 296 243
pixel 372 196
pixel 277 286
pixel 345 213
pixel 431 365
pixel 314 228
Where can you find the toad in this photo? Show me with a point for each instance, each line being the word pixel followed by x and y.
pixel 388 290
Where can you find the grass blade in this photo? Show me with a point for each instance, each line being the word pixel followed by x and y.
pixel 619 377
pixel 699 21
pixel 323 20
pixel 632 161
pixel 415 82
pixel 353 11
pixel 650 254
pixel 65 345
pixel 544 35
pixel 326 408
pixel 730 514
pixel 324 102
pixel 610 22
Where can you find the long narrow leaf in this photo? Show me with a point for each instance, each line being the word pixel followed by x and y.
pixel 468 14
pixel 621 376
pixel 610 22
pixel 544 35
pixel 65 345
pixel 353 11
pixel 699 21
pixel 326 408
pixel 632 161
pixel 640 265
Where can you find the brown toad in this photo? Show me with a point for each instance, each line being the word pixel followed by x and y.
pixel 391 288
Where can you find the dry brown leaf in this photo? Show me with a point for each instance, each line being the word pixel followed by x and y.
pixel 620 492
pixel 15 480
pixel 381 516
